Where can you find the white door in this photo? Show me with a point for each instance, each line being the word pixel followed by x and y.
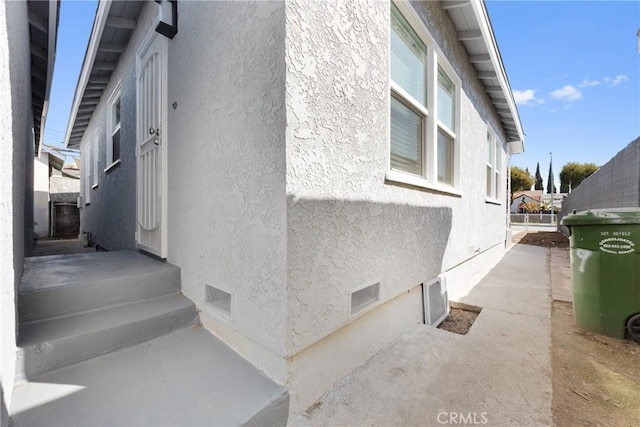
pixel 151 150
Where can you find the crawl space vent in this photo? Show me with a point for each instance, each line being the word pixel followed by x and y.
pixel 436 302
pixel 364 298
pixel 218 299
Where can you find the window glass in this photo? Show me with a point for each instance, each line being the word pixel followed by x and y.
pixel 446 97
pixel 117 113
pixel 445 158
pixel 116 145
pixel 406 138
pixel 408 58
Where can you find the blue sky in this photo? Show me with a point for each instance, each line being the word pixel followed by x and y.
pixel 76 19
pixel 574 67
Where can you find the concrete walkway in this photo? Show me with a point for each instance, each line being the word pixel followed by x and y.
pixel 499 374
pixel 61 247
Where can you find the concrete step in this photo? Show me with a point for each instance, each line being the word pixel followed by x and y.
pixel 49 344
pixel 59 285
pixel 185 378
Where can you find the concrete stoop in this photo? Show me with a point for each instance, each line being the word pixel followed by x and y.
pixel 107 339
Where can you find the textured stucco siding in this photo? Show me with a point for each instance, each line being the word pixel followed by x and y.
pixel 615 185
pixel 16 177
pixel 347 227
pixel 227 163
pixel 111 215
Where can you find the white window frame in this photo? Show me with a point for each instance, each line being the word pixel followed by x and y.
pixel 86 164
pixel 431 124
pixel 96 158
pixel 494 167
pixel 112 128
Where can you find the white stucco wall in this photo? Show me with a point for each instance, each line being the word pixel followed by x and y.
pixel 347 227
pixel 16 151
pixel 226 167
pixel 41 195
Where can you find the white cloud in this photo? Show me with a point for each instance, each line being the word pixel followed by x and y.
pixel 567 93
pixel 587 82
pixel 617 80
pixel 526 97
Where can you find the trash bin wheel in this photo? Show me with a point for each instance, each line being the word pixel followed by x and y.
pixel 633 326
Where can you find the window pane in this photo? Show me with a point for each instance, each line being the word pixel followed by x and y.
pixel 116 145
pixel 445 158
pixel 116 113
pixel 489 149
pixel 497 185
pixel 406 138
pixel 408 58
pixel 489 180
pixel 446 100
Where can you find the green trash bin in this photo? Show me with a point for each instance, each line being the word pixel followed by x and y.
pixel 605 267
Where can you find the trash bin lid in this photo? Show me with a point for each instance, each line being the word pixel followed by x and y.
pixel 604 216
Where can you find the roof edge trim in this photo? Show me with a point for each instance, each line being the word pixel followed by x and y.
pixel 480 11
pixel 96 34
pixel 54 9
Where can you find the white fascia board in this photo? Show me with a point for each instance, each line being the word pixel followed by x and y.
pixel 51 59
pixel 482 17
pixel 96 34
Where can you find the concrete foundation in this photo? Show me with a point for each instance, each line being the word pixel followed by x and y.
pixel 498 374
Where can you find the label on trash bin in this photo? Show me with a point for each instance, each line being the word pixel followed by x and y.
pixel 617 245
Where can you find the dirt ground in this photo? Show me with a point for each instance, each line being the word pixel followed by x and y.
pixel 458 321
pixel 546 239
pixel 596 379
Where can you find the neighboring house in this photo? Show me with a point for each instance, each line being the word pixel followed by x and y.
pixel 537 197
pixel 309 166
pixel 614 185
pixel 27 51
pixel 56 187
pixel 522 197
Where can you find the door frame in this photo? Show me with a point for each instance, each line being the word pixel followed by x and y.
pixel 163 103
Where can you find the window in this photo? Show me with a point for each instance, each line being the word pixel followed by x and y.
pixel 95 152
pixel 423 106
pixel 113 126
pixel 494 167
pixel 86 165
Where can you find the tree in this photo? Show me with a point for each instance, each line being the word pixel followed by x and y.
pixel 550 183
pixel 521 180
pixel 572 174
pixel 539 184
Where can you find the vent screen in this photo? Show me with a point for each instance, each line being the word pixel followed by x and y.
pixel 218 299
pixel 364 297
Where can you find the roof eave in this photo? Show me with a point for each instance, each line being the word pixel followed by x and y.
pixel 54 10
pixel 92 48
pixel 480 12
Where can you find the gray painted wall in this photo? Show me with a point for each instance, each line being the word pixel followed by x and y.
pixel 615 185
pixel 16 177
pixel 110 216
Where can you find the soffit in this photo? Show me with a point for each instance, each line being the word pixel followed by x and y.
pixel 112 29
pixel 476 34
pixel 43 25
